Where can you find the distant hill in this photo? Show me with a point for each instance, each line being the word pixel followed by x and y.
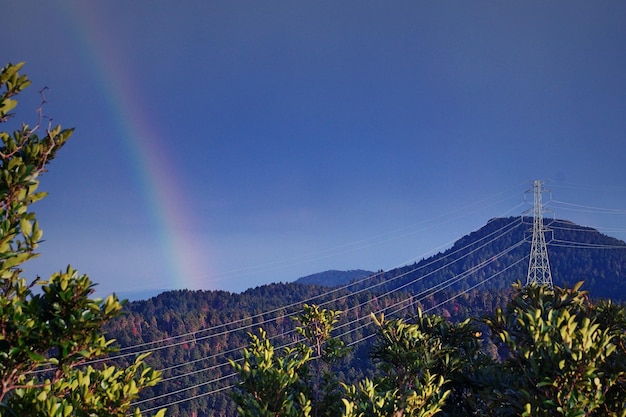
pixel 333 278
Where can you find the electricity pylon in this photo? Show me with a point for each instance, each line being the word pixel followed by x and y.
pixel 538 264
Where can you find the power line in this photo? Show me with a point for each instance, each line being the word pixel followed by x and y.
pixel 125 348
pixel 195 334
pixel 472 207
pixel 446 284
pixel 504 230
pixel 231 386
pixel 449 282
pixel 510 226
pixel 584 208
pixel 582 245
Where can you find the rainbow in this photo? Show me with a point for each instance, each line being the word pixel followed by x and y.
pixel 143 142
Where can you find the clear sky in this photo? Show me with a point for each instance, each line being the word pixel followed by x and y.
pixel 225 145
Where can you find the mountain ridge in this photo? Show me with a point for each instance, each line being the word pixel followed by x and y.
pixel 576 253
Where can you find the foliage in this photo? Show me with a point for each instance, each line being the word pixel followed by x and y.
pixel 271 385
pixel 563 355
pixel 424 367
pixel 408 356
pixel 406 384
pixel 49 328
pixel 288 385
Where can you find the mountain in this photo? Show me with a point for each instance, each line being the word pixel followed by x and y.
pixel 193 333
pixel 496 255
pixel 333 278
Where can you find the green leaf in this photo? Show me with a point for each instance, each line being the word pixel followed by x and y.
pixel 26 226
pixel 36 357
pixel 161 412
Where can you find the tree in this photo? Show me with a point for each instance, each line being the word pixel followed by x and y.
pixel 563 355
pixel 50 329
pixel 271 384
pixel 316 325
pixel 424 369
pixel 286 384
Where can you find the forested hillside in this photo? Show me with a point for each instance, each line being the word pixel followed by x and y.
pixel 194 333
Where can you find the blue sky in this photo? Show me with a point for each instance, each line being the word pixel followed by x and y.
pixel 225 145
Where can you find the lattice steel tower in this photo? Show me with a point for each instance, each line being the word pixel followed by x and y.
pixel 539 264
